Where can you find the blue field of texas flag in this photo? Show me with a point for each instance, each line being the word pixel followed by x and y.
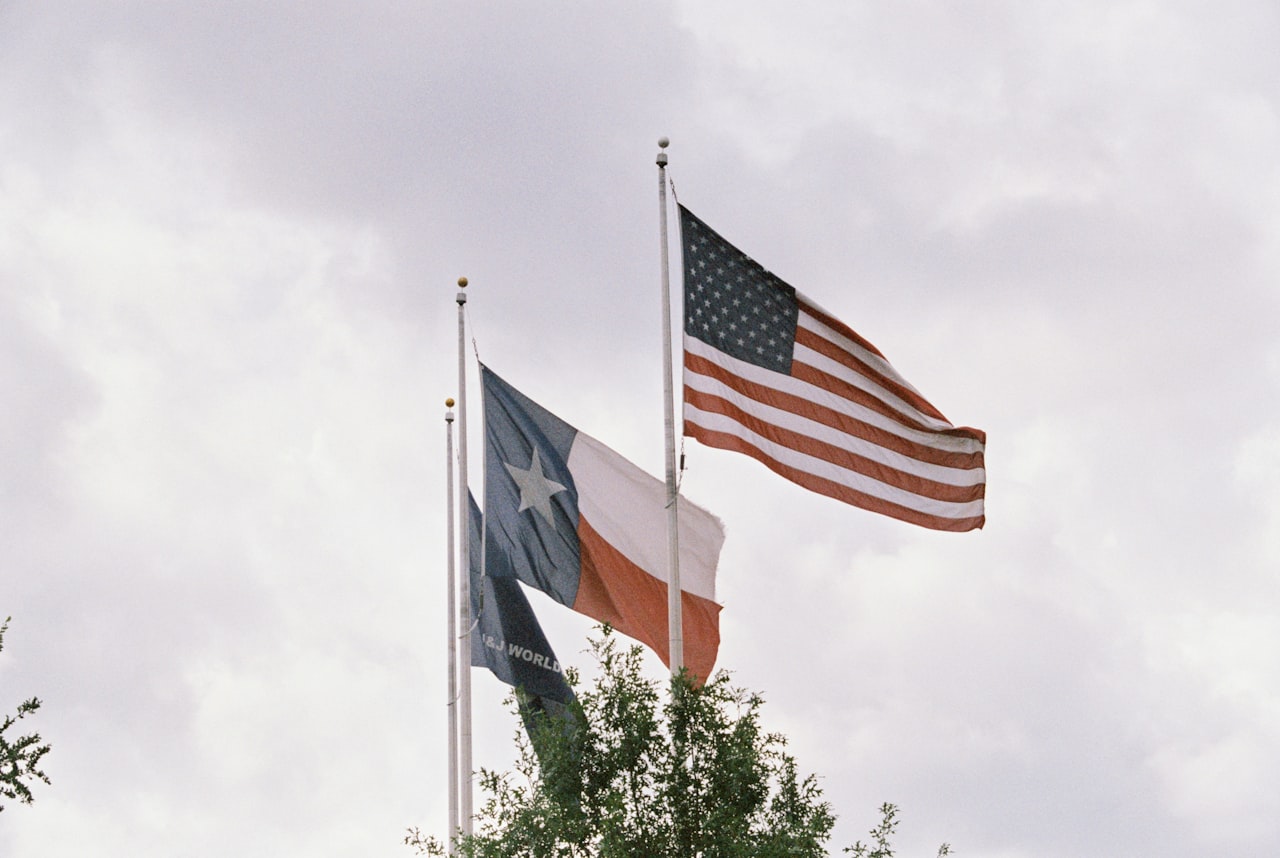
pixel 589 528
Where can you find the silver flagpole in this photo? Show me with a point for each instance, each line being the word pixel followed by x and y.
pixel 453 638
pixel 675 612
pixel 464 560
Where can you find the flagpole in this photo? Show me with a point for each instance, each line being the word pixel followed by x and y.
pixel 464 561
pixel 675 612
pixel 453 637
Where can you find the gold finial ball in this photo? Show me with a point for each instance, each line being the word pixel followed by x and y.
pixel 462 282
pixel 448 403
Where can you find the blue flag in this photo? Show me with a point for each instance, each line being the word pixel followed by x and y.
pixel 507 638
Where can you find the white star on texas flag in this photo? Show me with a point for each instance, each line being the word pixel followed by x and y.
pixel 535 488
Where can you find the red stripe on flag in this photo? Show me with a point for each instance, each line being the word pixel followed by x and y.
pixel 892 384
pixel 614 590
pixel 838 326
pixel 838 456
pixel 843 423
pixel 818 378
pixel 830 488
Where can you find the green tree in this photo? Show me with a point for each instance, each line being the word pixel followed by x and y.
pixel 634 773
pixel 881 845
pixel 19 758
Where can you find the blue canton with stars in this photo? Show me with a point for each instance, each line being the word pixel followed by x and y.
pixel 732 303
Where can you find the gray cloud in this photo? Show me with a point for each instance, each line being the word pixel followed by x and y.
pixel 228 243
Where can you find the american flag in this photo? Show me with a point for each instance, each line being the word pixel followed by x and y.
pixel 770 374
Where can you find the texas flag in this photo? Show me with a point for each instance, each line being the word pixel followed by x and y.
pixel 589 528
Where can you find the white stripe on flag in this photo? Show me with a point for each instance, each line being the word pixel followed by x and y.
pixel 801 425
pixel 819 361
pixel 826 470
pixel 797 387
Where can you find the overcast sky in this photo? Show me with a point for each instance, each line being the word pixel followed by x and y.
pixel 229 237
